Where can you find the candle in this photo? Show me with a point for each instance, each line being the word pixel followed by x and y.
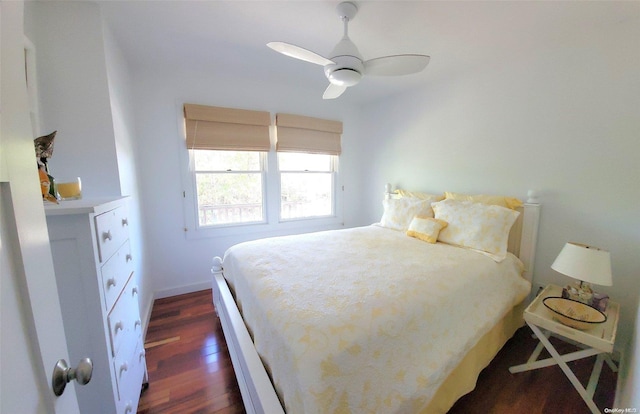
pixel 71 190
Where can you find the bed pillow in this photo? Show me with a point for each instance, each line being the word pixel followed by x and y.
pixel 426 228
pixel 399 212
pixel 508 202
pixel 421 195
pixel 477 226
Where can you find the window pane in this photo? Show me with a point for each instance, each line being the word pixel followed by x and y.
pixel 229 198
pixel 296 161
pixel 208 160
pixel 306 195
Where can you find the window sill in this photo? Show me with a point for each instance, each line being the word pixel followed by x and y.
pixel 262 230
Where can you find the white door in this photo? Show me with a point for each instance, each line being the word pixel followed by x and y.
pixel 32 332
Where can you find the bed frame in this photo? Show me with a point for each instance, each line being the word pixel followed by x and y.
pixel 258 394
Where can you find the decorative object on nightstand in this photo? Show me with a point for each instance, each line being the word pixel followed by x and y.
pixel 589 265
pixel 573 313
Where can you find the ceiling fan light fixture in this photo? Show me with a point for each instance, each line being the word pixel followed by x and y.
pixel 345 66
pixel 345 77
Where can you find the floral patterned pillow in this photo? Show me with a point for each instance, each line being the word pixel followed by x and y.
pixel 398 212
pixel 476 225
pixel 426 228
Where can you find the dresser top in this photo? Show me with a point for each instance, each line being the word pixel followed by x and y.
pixel 84 206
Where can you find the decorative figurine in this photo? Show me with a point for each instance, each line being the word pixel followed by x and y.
pixel 44 151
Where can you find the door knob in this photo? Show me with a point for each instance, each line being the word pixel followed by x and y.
pixel 62 374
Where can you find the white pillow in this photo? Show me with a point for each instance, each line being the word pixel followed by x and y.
pixel 399 212
pixel 475 225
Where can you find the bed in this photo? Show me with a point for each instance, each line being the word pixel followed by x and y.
pixel 379 318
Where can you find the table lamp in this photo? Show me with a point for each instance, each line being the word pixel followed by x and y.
pixel 587 264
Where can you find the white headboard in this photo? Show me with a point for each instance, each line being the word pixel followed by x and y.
pixel 523 237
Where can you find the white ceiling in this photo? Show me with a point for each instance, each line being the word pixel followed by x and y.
pixel 230 36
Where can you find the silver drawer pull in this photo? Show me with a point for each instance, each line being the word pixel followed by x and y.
pixel 137 323
pixel 107 235
pixel 125 222
pixel 142 355
pixel 123 368
pixel 128 258
pixel 111 282
pixel 118 327
pixel 134 290
pixel 129 409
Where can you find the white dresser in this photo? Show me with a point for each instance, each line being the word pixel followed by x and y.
pixel 99 300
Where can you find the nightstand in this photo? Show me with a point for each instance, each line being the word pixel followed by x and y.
pixel 598 341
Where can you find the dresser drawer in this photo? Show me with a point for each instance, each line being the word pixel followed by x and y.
pixel 112 229
pixel 130 370
pixel 115 273
pixel 125 325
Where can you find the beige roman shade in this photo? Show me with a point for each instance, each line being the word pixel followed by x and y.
pixel 215 128
pixel 305 134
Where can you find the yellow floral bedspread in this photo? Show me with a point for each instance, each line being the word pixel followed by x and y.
pixel 366 320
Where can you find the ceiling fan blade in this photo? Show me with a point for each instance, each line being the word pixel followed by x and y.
pixel 396 65
pixel 333 91
pixel 298 52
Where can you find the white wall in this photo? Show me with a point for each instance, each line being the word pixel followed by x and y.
pixel 179 263
pixel 74 93
pixel 121 100
pixel 563 120
pixel 629 375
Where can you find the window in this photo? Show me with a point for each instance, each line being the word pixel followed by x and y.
pixel 228 182
pixel 306 185
pixel 229 186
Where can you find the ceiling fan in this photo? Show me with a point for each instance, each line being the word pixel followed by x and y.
pixel 345 66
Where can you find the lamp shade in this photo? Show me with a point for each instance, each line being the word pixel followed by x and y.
pixel 586 263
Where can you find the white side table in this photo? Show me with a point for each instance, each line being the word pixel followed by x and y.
pixel 598 341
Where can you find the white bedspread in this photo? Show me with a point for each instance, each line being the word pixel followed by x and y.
pixel 366 319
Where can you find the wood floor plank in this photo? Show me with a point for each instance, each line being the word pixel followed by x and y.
pixel 190 370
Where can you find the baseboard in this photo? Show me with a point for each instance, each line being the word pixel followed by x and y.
pixel 181 290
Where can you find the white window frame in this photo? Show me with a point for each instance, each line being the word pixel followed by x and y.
pixel 262 171
pixel 333 171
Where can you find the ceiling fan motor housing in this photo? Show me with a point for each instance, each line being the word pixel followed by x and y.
pixel 348 67
pixel 347 70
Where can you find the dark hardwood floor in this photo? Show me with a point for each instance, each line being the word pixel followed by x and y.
pixel 542 391
pixel 189 366
pixel 190 370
